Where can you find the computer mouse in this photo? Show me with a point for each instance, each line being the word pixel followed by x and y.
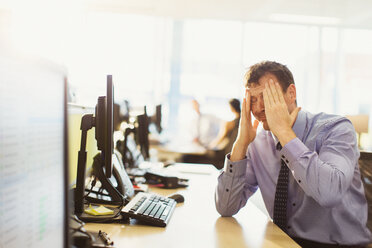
pixel 177 197
pixel 168 163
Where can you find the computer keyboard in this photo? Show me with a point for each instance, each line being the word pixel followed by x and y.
pixel 150 208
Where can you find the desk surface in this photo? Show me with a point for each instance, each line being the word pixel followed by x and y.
pixel 181 147
pixel 196 223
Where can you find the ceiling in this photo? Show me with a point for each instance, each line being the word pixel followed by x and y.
pixel 343 13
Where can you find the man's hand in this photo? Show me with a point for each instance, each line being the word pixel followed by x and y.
pixel 280 121
pixel 247 131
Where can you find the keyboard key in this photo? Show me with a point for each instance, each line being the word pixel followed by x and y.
pixel 166 211
pixel 154 210
pixel 160 211
pixel 135 207
pixel 144 207
pixel 163 217
pixel 148 210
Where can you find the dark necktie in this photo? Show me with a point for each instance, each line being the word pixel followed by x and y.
pixel 281 196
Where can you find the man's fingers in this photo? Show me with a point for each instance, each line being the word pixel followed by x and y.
pixel 245 115
pixel 266 98
pixel 243 111
pixel 248 104
pixel 294 115
pixel 273 91
pixel 255 124
pixel 280 93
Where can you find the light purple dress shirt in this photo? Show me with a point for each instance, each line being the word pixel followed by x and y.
pixel 326 201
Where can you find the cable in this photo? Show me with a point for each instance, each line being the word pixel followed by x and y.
pixel 93 183
pixel 112 219
pixel 80 229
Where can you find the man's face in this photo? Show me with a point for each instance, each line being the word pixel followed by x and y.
pixel 257 101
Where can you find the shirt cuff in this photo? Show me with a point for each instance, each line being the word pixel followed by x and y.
pixel 292 151
pixel 236 168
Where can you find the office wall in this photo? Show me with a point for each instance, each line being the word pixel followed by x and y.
pixel 157 59
pixel 207 59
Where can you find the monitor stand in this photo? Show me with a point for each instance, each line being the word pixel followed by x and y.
pixel 87 122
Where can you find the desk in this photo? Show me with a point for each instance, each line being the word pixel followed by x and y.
pixel 196 223
pixel 175 150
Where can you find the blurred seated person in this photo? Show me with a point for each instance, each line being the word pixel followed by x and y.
pixel 204 127
pixel 229 130
pixel 221 143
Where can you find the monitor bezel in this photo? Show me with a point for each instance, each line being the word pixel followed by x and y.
pixel 109 125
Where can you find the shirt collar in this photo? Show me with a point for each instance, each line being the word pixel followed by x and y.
pixel 300 124
pixel 298 127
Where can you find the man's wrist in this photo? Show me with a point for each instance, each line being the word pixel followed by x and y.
pixel 239 151
pixel 285 135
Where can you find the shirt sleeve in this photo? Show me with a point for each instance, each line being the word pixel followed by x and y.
pixel 236 184
pixel 327 174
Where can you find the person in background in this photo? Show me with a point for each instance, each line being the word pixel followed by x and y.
pixel 205 127
pixel 229 129
pixel 306 165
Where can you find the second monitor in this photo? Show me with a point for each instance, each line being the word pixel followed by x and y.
pixel 103 163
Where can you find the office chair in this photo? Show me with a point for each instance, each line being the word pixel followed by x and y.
pixel 217 156
pixel 365 166
pixel 360 123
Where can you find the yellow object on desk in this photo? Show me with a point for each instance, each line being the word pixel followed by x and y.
pixel 101 210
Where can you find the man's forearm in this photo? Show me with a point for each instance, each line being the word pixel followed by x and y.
pixel 238 151
pixel 234 187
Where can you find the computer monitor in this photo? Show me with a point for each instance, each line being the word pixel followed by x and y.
pixel 157 118
pixel 109 127
pixel 104 126
pixel 33 154
pixel 103 123
pixel 117 118
pixel 142 134
pixel 121 114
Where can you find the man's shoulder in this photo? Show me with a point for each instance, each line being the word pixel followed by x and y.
pixel 324 119
pixel 322 122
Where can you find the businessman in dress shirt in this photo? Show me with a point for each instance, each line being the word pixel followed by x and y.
pixel 325 205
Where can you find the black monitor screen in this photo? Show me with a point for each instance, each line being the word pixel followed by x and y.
pixel 142 135
pixel 121 114
pixel 100 122
pixel 158 118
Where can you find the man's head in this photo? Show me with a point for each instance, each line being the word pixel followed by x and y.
pixel 261 73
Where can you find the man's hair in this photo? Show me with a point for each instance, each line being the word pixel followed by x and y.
pixel 235 104
pixel 282 73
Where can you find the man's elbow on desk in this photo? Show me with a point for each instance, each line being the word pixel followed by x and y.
pixel 223 209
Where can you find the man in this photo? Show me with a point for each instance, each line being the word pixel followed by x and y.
pixel 305 165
